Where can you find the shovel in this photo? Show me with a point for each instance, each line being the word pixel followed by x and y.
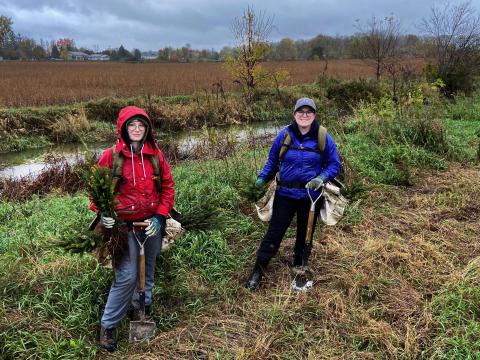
pixel 303 274
pixel 142 329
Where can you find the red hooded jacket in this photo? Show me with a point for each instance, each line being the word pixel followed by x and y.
pixel 138 198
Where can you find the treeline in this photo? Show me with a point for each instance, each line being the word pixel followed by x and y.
pixel 17 47
pixel 320 47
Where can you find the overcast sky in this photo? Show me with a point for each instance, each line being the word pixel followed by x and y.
pixel 151 25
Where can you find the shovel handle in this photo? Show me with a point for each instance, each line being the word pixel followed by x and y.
pixel 311 216
pixel 140 223
pixel 141 265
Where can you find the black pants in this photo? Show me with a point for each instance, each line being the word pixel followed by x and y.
pixel 284 209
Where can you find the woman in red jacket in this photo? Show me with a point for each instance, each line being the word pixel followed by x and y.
pixel 142 196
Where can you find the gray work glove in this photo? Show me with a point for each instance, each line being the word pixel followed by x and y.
pixel 315 184
pixel 107 221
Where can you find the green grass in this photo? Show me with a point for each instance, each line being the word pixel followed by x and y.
pixel 391 163
pixel 55 297
pixel 20 143
pixel 465 108
pixel 464 136
pixel 456 312
pixel 59 296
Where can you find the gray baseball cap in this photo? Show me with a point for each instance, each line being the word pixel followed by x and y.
pixel 304 102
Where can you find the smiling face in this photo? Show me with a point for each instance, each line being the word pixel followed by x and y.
pixel 136 131
pixel 304 117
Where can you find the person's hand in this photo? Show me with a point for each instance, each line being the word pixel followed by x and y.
pixel 260 183
pixel 315 184
pixel 107 221
pixel 155 225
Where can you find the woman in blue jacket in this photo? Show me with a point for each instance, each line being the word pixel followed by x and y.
pixel 302 166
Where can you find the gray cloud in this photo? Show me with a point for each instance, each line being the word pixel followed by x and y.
pixel 149 24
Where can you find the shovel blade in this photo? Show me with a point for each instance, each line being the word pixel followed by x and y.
pixel 301 283
pixel 141 331
pixel 302 279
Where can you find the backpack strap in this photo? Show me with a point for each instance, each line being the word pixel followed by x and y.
pixel 287 140
pixel 322 138
pixel 157 173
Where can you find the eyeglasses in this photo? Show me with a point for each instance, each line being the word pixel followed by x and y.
pixel 136 126
pixel 305 113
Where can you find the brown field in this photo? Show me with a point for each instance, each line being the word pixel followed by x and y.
pixel 46 83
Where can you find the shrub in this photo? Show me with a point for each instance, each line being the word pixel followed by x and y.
pixel 106 109
pixel 456 79
pixel 348 94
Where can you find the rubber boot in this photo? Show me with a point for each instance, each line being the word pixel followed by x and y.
pixel 297 260
pixel 108 339
pixel 257 274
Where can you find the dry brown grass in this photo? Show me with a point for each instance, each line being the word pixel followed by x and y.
pixel 46 83
pixel 374 284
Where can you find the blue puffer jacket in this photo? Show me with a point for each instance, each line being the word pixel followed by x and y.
pixel 298 165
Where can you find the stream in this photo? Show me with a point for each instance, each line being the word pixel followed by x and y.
pixel 33 161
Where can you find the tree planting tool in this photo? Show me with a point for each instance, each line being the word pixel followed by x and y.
pixel 302 275
pixel 142 329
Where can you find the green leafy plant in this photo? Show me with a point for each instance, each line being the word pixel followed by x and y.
pixel 249 191
pixel 100 187
pixel 348 94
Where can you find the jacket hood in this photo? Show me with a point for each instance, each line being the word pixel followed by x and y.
pixel 149 144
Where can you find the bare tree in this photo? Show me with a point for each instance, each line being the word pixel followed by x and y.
pixel 251 33
pixel 455 34
pixel 377 42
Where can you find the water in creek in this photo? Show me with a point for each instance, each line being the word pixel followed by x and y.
pixel 33 161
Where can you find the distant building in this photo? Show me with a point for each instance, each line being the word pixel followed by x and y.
pixel 149 57
pixel 98 57
pixel 77 55
pixel 1 58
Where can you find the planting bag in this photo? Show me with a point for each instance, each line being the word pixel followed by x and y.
pixel 334 205
pixel 173 230
pixel 264 206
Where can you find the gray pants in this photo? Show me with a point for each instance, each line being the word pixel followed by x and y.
pixel 124 289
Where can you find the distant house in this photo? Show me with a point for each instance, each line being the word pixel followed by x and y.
pixel 77 55
pixel 98 57
pixel 149 57
pixel 1 58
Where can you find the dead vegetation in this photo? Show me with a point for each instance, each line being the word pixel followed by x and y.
pixel 59 176
pixel 48 83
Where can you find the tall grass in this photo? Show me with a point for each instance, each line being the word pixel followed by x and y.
pixel 456 313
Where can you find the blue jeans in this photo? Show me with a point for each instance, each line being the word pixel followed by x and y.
pixel 124 289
